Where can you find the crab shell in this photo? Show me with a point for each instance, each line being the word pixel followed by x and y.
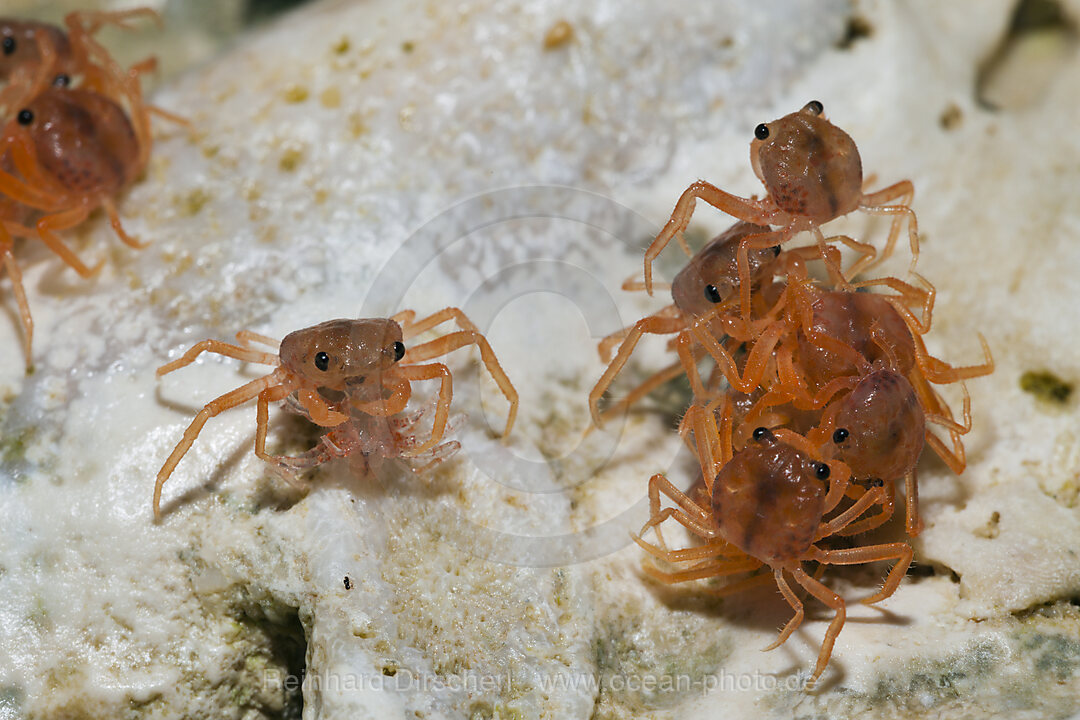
pixel 849 317
pixel 716 264
pixel 20 36
pixel 886 427
pixel 768 500
pixel 84 140
pixel 357 352
pixel 810 167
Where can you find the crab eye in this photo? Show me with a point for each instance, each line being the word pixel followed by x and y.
pixel 322 361
pixel 840 435
pixel 815 107
pixel 61 80
pixel 761 132
pixel 9 45
pixel 775 250
pixel 875 482
pixel 760 433
pixel 25 117
pixel 712 294
pixel 822 471
pixel 399 351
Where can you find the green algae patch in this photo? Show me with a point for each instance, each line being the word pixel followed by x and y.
pixel 193 203
pixel 1046 386
pixel 643 669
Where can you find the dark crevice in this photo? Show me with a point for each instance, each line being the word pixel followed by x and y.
pixel 1040 39
pixel 282 657
pixel 256 11
pixel 288 649
pixel 858 28
pixel 925 569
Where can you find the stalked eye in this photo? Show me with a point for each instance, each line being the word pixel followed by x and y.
pixel 775 250
pixel 399 351
pixel 761 433
pixel 761 132
pixel 840 435
pixel 822 471
pixel 712 294
pixel 815 107
pixel 875 482
pixel 25 117
pixel 9 45
pixel 322 361
pixel 61 80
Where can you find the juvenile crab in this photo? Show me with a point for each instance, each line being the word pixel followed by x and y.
pixel 701 293
pixel 703 317
pixel 341 367
pixel 67 150
pixel 766 506
pixel 27 46
pixel 812 173
pixel 74 151
pixel 863 354
pixel 876 423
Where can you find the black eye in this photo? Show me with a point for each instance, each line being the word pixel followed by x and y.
pixel 775 250
pixel 760 433
pixel 25 117
pixel 712 294
pixel 840 435
pixel 399 351
pixel 875 482
pixel 9 45
pixel 822 471
pixel 815 107
pixel 761 132
pixel 61 80
pixel 322 361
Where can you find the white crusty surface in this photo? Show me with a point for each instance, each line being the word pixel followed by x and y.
pixel 357 158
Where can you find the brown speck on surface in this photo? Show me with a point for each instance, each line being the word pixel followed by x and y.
pixel 194 202
pixel 330 98
pixel 1047 386
pixel 407 47
pixel 357 126
pixel 296 94
pixel 990 530
pixel 342 46
pixel 290 159
pixel 251 191
pixel 558 35
pixel 858 28
pixel 951 117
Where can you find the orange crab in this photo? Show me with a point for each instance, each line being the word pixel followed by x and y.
pixel 864 352
pixel 69 150
pixel 341 367
pixel 767 505
pixel 703 317
pixel 813 174
pixel 28 48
